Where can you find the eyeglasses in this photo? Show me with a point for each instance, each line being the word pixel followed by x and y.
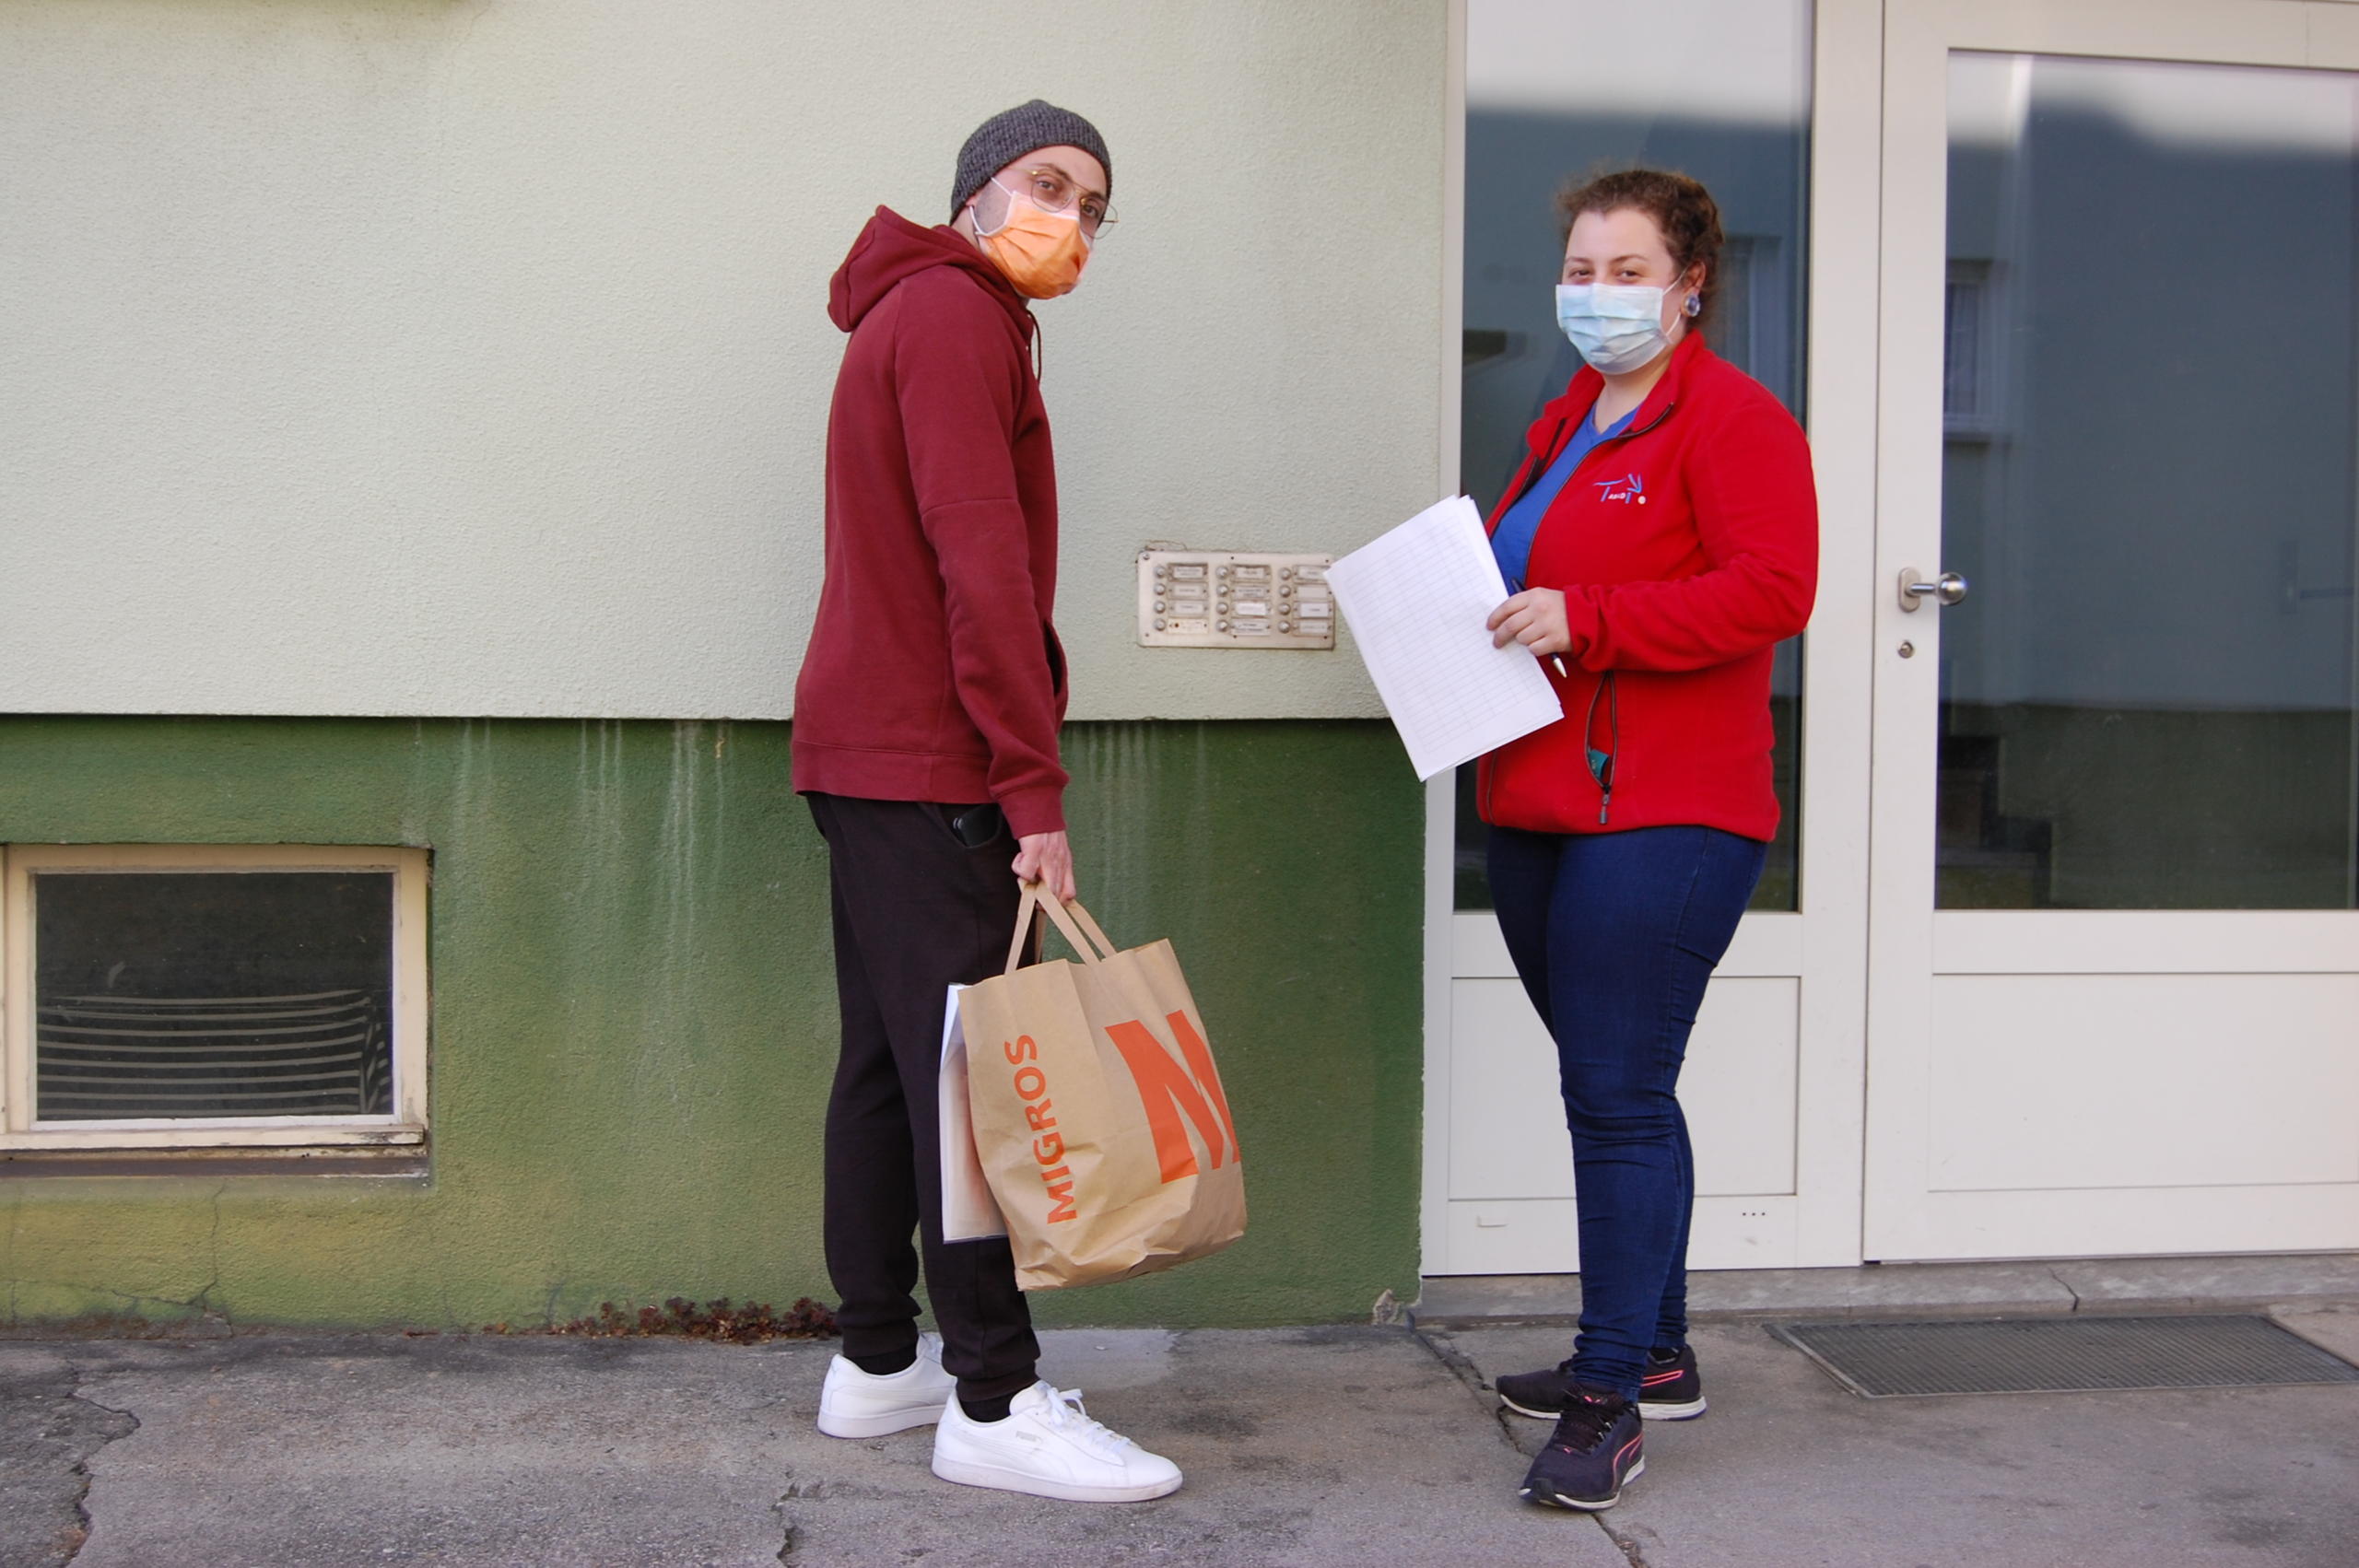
pixel 1053 190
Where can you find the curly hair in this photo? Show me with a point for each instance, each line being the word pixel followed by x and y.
pixel 1683 211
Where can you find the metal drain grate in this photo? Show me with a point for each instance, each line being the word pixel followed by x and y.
pixel 2057 1354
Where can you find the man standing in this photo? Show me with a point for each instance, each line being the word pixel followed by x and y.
pixel 926 738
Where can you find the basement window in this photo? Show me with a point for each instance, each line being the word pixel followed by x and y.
pixel 211 996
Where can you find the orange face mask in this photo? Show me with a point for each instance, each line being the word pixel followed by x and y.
pixel 1040 253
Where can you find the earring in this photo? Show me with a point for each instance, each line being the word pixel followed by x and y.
pixel 1695 305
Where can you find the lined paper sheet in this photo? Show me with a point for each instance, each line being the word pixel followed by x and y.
pixel 1416 600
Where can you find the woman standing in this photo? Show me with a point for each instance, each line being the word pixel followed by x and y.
pixel 1661 539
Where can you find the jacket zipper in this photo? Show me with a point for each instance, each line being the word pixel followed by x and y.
pixel 1607 685
pixel 1603 772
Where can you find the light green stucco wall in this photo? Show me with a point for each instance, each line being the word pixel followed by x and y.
pixel 445 356
pixel 634 1016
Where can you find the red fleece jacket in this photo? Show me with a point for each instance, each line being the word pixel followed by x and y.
pixel 933 672
pixel 1688 549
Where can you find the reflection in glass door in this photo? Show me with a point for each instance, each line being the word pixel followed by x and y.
pixel 2148 455
pixel 2112 861
pixel 1719 89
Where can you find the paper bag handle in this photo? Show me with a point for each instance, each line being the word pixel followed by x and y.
pixel 1062 915
pixel 1083 917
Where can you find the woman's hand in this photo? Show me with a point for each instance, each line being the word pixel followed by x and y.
pixel 1536 619
pixel 1047 857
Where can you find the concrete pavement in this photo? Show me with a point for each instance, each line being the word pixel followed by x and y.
pixel 1302 1446
pixel 1788 1468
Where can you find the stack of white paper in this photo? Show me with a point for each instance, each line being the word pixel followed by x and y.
pixel 969 1213
pixel 1416 600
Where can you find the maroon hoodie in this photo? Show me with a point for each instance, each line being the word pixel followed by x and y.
pixel 933 672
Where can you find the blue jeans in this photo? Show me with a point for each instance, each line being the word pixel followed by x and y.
pixel 1615 935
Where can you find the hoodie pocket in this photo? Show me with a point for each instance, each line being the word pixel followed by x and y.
pixel 1056 658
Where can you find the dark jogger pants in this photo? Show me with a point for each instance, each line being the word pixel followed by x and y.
pixel 1615 935
pixel 915 912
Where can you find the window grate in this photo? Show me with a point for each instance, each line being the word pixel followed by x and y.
pixel 116 1058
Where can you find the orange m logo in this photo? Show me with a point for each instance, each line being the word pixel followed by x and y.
pixel 1166 1092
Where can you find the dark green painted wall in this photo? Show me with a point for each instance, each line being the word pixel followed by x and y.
pixel 634 1017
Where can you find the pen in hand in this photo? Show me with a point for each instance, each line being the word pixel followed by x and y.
pixel 1515 587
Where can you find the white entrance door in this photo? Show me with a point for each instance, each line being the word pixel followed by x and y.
pixel 1724 90
pixel 2114 963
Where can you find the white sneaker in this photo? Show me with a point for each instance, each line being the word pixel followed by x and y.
pixel 1049 1446
pixel 853 1403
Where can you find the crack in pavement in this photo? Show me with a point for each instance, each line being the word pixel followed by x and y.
pixel 1629 1547
pixel 124 1425
pixel 50 1431
pixel 1467 1372
pixel 1471 1376
pixel 792 1534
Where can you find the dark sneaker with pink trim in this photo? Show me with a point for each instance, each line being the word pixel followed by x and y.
pixel 1540 1395
pixel 1598 1444
pixel 1670 1388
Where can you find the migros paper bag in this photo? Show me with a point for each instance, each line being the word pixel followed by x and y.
pixel 1099 1116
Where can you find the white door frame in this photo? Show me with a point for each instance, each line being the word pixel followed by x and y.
pixel 1433 1184
pixel 1824 947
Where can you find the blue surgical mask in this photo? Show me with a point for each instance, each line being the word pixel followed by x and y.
pixel 1618 327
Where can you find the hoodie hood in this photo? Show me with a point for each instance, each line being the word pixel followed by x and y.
pixel 891 248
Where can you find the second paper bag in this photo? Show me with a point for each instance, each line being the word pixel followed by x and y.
pixel 1097 1113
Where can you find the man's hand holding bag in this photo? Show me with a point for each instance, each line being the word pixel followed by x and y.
pixel 1097 1113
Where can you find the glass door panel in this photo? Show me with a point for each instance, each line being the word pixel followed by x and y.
pixel 1719 89
pixel 2148 432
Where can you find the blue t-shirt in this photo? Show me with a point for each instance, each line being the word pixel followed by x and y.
pixel 1511 542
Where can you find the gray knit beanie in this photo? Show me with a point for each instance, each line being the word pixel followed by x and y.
pixel 1001 139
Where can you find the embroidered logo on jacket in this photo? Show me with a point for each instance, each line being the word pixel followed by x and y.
pixel 1629 488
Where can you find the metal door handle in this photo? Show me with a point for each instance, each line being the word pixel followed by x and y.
pixel 1946 589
